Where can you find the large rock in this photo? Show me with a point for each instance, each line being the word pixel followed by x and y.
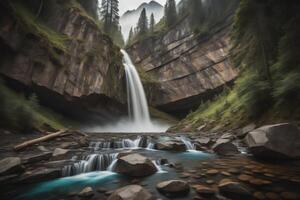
pixel 280 141
pixel 59 153
pixel 135 165
pixel 225 147
pixel 234 190
pixel 39 175
pixel 86 192
pixel 36 157
pixel 131 192
pixel 10 165
pixel 245 130
pixel 173 187
pixel 170 146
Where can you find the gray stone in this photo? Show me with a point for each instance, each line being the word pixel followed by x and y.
pixel 225 147
pixel 234 190
pixel 36 157
pixel 170 146
pixel 173 187
pixel 59 153
pixel 10 165
pixel 86 192
pixel 131 192
pixel 39 175
pixel 135 165
pixel 244 131
pixel 203 141
pixel 279 141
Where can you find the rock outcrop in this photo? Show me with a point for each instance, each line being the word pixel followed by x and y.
pixel 281 141
pixel 173 187
pixel 135 165
pixel 132 192
pixel 10 165
pixel 187 68
pixel 62 56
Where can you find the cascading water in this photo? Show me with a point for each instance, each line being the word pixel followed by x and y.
pixel 138 111
pixel 93 162
pixel 137 102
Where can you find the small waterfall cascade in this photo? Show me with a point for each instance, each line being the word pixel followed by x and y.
pixel 93 162
pixel 136 98
pixel 187 142
pixel 139 142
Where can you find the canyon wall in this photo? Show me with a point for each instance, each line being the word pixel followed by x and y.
pixel 62 55
pixel 188 68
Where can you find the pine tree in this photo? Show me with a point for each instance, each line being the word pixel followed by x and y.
pixel 130 37
pixel 110 15
pixel 152 23
pixel 143 23
pixel 170 12
pixel 197 14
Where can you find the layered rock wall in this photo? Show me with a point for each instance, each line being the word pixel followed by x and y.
pixel 189 68
pixel 87 71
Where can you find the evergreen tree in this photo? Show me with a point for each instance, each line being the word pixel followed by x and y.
pixel 197 14
pixel 170 12
pixel 130 37
pixel 110 15
pixel 142 25
pixel 152 23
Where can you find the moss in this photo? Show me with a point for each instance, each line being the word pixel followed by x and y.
pixel 34 26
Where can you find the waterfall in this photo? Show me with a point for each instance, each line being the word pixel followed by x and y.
pixel 188 144
pixel 93 162
pixel 119 144
pixel 137 102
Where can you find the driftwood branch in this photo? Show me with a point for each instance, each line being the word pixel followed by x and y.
pixel 38 140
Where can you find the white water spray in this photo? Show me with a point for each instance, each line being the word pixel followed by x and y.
pixel 137 102
pixel 139 118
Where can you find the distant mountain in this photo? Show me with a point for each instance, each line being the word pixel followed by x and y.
pixel 130 18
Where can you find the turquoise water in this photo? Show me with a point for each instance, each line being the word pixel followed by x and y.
pixel 61 188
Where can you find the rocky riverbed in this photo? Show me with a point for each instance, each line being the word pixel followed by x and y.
pixel 247 163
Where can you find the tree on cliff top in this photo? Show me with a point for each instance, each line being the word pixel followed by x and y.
pixel 170 12
pixel 110 17
pixel 152 23
pixel 143 23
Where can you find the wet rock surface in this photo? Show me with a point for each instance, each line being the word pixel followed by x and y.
pixel 10 165
pixel 131 192
pixel 135 165
pixel 218 177
pixel 279 141
pixel 173 188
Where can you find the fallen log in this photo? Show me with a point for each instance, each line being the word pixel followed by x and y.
pixel 38 140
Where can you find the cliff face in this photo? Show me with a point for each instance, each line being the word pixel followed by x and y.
pixel 187 67
pixel 64 58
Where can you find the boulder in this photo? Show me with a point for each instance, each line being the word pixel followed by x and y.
pixel 205 141
pixel 225 147
pixel 59 153
pixel 234 190
pixel 279 141
pixel 204 190
pixel 135 165
pixel 131 192
pixel 244 131
pixel 173 188
pixel 39 175
pixel 86 192
pixel 170 146
pixel 10 165
pixel 36 157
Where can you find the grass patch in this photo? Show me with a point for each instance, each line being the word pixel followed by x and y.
pixel 25 114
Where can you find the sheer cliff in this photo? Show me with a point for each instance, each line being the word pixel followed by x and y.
pixel 59 52
pixel 187 67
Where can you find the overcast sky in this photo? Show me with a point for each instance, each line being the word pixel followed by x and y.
pixel 133 4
